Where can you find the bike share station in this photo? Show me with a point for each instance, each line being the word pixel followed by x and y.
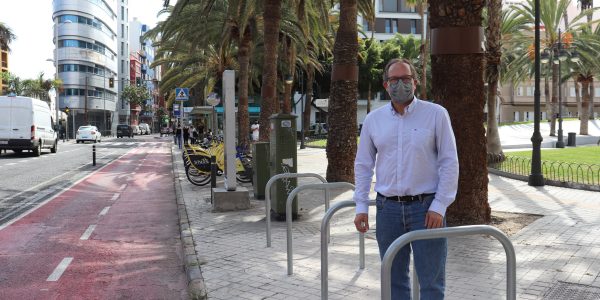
pixel 231 197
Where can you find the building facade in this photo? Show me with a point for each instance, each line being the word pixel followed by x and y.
pixel 86 60
pixel 3 69
pixel 123 40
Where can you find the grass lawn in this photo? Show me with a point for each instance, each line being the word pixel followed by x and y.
pixel 587 155
pixel 581 164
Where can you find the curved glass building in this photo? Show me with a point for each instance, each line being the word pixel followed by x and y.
pixel 86 58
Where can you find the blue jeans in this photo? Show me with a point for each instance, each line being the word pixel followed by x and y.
pixel 396 218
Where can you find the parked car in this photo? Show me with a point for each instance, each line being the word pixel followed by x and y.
pixel 88 133
pixel 124 130
pixel 136 130
pixel 26 124
pixel 145 128
pixel 165 130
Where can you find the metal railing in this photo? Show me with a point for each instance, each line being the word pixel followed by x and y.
pixel 578 173
pixel 394 248
pixel 288 211
pixel 268 195
pixel 325 246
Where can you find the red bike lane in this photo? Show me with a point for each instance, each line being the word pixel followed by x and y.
pixel 113 235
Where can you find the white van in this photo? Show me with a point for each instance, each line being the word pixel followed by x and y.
pixel 26 124
pixel 144 128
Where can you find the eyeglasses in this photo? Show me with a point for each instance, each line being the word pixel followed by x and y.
pixel 405 79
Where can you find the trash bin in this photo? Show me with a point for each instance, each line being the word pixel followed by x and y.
pixel 260 165
pixel 571 140
pixel 284 159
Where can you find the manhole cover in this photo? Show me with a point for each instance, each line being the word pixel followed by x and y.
pixel 566 290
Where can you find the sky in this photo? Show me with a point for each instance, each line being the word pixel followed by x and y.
pixel 31 22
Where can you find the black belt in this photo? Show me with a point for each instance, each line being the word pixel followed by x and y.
pixel 406 198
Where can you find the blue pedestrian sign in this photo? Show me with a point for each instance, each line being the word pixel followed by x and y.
pixel 176 111
pixel 182 94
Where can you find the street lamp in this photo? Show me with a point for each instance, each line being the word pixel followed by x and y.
pixel 536 178
pixel 213 100
pixel 559 54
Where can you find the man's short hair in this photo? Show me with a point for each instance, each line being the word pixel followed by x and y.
pixel 392 61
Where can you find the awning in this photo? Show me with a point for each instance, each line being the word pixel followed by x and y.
pixel 251 109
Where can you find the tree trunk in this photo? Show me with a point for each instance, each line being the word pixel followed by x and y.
pixel 555 83
pixel 310 77
pixel 547 98
pixel 243 113
pixel 592 94
pixel 272 18
pixel 577 96
pixel 585 107
pixel 464 102
pixel 290 53
pixel 493 46
pixel 369 99
pixel 424 51
pixel 341 137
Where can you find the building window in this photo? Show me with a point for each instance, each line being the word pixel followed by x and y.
pixel 122 48
pixel 413 26
pixel 391 25
pixel 122 13
pixel 122 66
pixel 366 25
pixel 530 91
pixel 596 92
pixel 520 91
pixel 388 6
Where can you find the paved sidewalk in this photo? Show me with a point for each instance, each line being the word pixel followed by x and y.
pixel 558 255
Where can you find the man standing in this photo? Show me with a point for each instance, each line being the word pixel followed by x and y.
pixel 255 130
pixel 411 145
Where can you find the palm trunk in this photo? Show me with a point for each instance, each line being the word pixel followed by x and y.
pixel 471 205
pixel 547 99
pixel 243 114
pixel 592 94
pixel 585 107
pixel 310 77
pixel 577 96
pixel 555 83
pixel 341 138
pixel 493 66
pixel 290 54
pixel 272 18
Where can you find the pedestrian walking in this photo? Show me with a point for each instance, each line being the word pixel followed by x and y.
pixel 186 135
pixel 178 136
pixel 412 147
pixel 255 130
pixel 193 135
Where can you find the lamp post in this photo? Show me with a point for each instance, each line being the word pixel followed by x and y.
pixel 536 178
pixel 559 54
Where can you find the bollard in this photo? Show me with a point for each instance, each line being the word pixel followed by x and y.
pixel 213 174
pixel 94 155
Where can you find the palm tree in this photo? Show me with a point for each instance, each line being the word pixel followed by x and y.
pixel 457 81
pixel 6 36
pixel 586 5
pixel 421 7
pixel 493 58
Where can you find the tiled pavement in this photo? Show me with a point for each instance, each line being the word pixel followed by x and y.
pixel 563 246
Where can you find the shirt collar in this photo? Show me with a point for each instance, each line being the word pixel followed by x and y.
pixel 409 109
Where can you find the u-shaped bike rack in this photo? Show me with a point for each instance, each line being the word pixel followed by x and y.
pixel 268 195
pixel 288 211
pixel 325 247
pixel 394 248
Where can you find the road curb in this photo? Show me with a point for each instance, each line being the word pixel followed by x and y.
pixel 195 281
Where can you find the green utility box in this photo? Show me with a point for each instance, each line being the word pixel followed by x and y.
pixel 284 159
pixel 260 165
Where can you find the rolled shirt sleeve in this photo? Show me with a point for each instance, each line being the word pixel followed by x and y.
pixel 448 164
pixel 363 169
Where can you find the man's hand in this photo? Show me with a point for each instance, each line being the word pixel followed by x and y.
pixel 432 220
pixel 361 221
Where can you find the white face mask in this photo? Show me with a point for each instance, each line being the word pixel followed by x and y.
pixel 401 92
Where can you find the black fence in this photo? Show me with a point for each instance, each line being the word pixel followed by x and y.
pixel 563 173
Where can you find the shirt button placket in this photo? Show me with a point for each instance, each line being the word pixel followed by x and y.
pixel 400 149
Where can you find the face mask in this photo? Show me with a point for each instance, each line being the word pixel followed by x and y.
pixel 401 92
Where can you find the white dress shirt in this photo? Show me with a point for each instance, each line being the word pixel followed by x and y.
pixel 413 154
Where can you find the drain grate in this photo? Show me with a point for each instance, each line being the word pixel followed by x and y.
pixel 566 290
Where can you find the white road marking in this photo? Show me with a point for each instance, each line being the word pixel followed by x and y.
pixel 104 211
pixel 115 196
pixel 11 164
pixel 122 188
pixel 60 269
pixel 88 232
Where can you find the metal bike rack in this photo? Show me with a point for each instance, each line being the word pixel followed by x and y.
pixel 268 195
pixel 288 211
pixel 325 247
pixel 390 254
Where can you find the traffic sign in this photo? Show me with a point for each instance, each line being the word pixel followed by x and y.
pixel 176 109
pixel 182 94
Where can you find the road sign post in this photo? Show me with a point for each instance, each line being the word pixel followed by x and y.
pixel 181 95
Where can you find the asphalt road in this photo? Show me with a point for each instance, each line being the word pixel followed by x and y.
pixel 26 181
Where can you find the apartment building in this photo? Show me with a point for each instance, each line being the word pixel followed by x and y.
pixel 86 56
